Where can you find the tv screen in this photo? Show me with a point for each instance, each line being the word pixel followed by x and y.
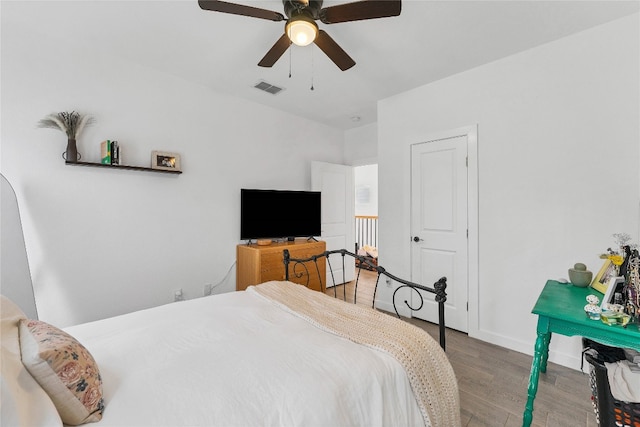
pixel 273 214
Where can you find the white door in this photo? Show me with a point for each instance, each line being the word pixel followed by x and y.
pixel 439 226
pixel 336 184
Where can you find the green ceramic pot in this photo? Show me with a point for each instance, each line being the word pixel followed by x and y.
pixel 579 275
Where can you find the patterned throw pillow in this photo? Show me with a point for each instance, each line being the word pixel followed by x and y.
pixel 64 369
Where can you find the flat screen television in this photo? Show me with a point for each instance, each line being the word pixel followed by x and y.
pixel 273 214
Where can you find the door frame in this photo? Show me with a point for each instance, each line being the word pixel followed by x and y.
pixel 471 133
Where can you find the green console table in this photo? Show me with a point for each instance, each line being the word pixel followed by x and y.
pixel 560 310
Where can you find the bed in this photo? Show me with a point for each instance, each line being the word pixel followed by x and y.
pixel 277 354
pixel 302 268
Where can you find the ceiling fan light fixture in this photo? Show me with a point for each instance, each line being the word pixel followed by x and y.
pixel 302 31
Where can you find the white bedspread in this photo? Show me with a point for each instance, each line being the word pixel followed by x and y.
pixel 238 360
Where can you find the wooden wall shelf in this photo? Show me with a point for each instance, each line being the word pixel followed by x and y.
pixel 135 168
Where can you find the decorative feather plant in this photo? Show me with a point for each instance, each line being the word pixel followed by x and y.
pixel 71 123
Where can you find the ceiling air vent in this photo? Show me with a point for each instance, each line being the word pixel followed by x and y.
pixel 268 87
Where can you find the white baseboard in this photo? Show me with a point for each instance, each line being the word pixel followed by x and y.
pixel 570 360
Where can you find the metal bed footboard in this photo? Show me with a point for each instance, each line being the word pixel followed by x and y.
pixel 299 269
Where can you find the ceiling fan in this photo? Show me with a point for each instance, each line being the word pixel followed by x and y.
pixel 301 28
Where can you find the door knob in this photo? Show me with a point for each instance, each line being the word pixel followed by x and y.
pixel 417 239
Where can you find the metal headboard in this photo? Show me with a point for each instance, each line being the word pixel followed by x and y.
pixel 438 289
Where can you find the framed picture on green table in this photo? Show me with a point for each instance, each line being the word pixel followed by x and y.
pixel 607 272
pixel 615 285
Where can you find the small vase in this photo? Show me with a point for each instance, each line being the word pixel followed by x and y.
pixel 71 155
pixel 579 275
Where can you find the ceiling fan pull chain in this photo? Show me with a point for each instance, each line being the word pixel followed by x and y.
pixel 290 49
pixel 312 50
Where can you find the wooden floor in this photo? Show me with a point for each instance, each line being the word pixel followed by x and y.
pixel 493 380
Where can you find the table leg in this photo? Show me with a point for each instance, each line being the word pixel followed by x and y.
pixel 539 357
pixel 545 353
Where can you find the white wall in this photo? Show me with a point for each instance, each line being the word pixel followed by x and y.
pixel 558 150
pixel 361 145
pixel 103 242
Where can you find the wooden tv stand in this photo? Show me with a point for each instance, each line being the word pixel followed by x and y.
pixel 257 264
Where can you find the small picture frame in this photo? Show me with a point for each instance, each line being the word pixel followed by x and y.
pixel 615 285
pixel 165 161
pixel 601 281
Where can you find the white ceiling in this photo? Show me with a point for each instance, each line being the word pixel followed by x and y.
pixel 430 40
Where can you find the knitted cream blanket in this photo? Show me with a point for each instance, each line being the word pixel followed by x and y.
pixel 428 369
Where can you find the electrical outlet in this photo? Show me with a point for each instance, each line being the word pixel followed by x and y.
pixel 388 281
pixel 207 289
pixel 177 295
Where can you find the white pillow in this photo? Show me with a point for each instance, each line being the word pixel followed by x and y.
pixel 65 369
pixel 22 401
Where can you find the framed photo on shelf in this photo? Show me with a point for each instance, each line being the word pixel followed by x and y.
pixel 615 285
pixel 601 281
pixel 165 161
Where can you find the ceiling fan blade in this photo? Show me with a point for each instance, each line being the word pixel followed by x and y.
pixel 334 51
pixel 239 9
pixel 365 9
pixel 275 52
